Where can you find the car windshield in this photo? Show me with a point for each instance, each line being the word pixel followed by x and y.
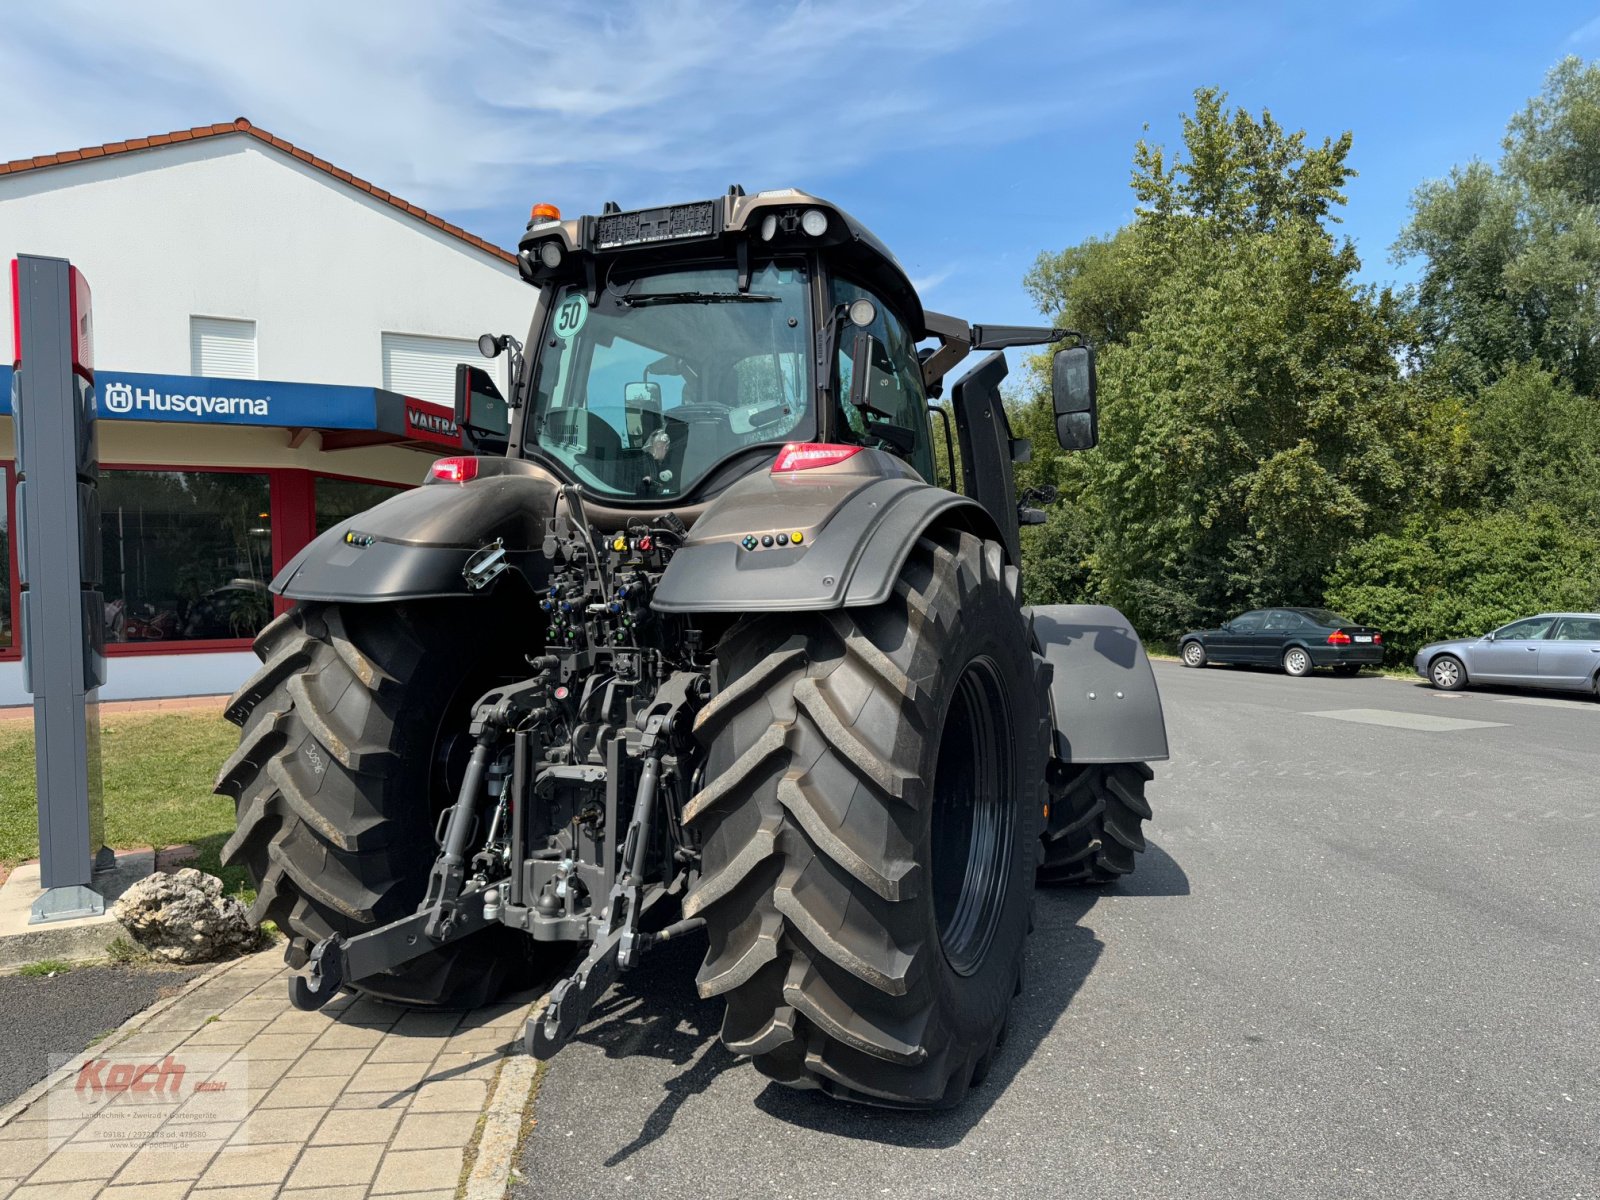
pixel 1324 616
pixel 642 394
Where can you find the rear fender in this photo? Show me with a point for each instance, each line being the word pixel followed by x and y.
pixel 857 525
pixel 416 545
pixel 1102 690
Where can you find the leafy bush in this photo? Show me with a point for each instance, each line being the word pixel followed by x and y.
pixel 1466 574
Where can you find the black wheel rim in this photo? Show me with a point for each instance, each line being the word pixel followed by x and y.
pixel 973 816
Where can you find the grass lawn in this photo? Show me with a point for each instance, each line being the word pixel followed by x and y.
pixel 157 770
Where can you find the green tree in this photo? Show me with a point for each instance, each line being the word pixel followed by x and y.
pixel 1511 255
pixel 1253 422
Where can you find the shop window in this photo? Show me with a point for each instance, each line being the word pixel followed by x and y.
pixel 8 637
pixel 188 555
pixel 222 348
pixel 340 499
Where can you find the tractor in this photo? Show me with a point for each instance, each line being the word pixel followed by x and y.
pixel 717 631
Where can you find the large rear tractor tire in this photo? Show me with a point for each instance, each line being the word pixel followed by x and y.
pixel 1097 812
pixel 873 790
pixel 344 763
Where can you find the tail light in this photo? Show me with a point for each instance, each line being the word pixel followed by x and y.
pixel 1338 638
pixel 1377 639
pixel 454 470
pixel 803 456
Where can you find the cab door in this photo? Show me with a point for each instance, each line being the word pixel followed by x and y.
pixel 1570 656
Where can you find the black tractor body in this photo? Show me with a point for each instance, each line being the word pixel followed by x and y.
pixel 719 633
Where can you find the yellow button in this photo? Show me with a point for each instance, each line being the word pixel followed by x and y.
pixel 620 544
pixel 797 537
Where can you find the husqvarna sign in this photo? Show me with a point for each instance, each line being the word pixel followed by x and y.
pixel 122 399
pixel 198 399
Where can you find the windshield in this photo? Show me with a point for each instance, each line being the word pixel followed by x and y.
pixel 641 395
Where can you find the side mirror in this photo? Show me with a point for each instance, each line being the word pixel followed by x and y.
pixel 1226 625
pixel 1489 637
pixel 1072 389
pixel 481 411
pixel 641 411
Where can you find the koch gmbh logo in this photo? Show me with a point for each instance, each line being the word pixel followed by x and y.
pixel 102 1076
pixel 165 1100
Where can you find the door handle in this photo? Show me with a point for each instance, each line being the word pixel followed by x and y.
pixel 1531 649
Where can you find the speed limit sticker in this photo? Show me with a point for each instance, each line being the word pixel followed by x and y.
pixel 571 313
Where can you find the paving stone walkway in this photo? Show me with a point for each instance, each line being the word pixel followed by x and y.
pixel 227 1091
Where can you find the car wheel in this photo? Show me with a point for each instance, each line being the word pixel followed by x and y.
pixel 1447 674
pixel 1297 661
pixel 1194 654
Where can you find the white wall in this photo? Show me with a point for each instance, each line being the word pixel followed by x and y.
pixel 229 227
pixel 144 677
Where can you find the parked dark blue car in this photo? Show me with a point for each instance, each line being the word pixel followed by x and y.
pixel 1296 639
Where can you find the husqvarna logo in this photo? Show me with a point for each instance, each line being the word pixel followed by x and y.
pixel 121 398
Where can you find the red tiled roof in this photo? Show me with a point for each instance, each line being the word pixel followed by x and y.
pixel 240 125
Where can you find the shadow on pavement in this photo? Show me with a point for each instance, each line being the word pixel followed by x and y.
pixel 655 1011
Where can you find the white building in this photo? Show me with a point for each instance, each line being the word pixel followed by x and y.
pixel 275 346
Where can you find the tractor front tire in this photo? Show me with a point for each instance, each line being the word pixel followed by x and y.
pixel 340 776
pixel 1097 813
pixel 869 820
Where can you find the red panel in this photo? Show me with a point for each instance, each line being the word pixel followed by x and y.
pixel 199 646
pixel 82 324
pixel 8 478
pixel 294 520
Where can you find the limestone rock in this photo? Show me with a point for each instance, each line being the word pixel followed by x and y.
pixel 183 917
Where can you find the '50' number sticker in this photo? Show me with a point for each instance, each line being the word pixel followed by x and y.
pixel 570 316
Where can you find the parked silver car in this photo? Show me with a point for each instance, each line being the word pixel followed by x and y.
pixel 1553 650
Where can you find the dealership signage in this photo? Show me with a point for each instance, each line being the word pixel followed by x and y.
pixel 196 399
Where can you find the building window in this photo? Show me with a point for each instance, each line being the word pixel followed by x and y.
pixel 222 348
pixel 340 499
pixel 424 368
pixel 188 555
pixel 8 637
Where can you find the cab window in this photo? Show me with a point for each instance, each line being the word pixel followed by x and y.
pixel 1249 622
pixel 898 417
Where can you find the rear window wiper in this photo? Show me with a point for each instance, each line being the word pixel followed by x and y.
pixel 650 298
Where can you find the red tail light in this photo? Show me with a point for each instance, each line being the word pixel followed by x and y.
pixel 455 470
pixel 1377 639
pixel 803 456
pixel 1338 638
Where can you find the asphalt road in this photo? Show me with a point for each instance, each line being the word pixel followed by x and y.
pixel 44 1020
pixel 1359 959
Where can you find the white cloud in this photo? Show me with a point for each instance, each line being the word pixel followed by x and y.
pixel 472 105
pixel 1585 33
pixel 457 105
pixel 926 283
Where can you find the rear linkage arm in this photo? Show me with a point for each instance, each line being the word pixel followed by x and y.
pixel 450 910
pixel 619 946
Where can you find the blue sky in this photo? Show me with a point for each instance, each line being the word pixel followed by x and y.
pixel 969 135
